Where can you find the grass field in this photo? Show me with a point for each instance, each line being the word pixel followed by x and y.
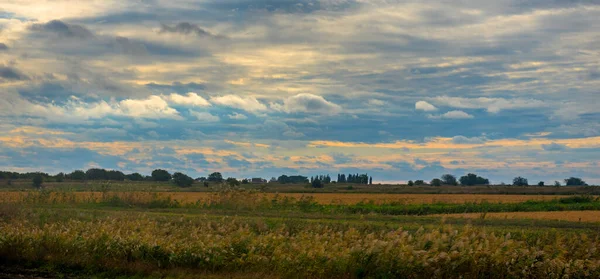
pixel 572 216
pixel 247 234
pixel 321 198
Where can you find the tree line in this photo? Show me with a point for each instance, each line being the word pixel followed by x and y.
pixel 317 181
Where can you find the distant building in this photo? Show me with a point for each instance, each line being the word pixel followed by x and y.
pixel 258 180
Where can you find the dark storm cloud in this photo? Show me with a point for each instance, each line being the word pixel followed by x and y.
pixel 63 29
pixel 11 73
pixel 187 28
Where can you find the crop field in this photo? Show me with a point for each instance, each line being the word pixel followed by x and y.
pixel 236 233
pixel 573 216
pixel 321 198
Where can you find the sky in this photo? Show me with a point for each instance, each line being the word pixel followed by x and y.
pixel 401 90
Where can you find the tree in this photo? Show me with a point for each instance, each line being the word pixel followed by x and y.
pixel 556 184
pixel 37 181
pixel 541 183
pixel 317 184
pixel 411 183
pixel 77 175
pixel 115 175
pixel 419 182
pixel 232 182
pixel 215 177
pixel 161 175
pixel 245 181
pixel 436 182
pixel 182 180
pixel 449 179
pixel 134 177
pixel 371 180
pixel 575 181
pixel 59 177
pixel 96 174
pixel 520 181
pixel 472 179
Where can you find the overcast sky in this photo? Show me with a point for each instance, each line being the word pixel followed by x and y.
pixel 397 89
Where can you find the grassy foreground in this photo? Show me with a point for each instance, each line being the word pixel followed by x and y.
pixel 239 236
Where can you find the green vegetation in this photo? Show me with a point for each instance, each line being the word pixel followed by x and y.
pixel 238 234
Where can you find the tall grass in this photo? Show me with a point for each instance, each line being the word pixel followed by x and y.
pixel 147 244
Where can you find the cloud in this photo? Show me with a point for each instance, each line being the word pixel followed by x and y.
pixel 204 116
pixel 62 29
pixel 424 106
pixel 11 74
pixel 466 140
pixel 248 103
pixel 307 103
pixel 76 110
pixel 130 47
pixel 376 102
pixel 3 46
pixel 237 116
pixel 492 105
pixel 554 147
pixel 187 28
pixel 191 99
pixel 152 107
pixel 456 114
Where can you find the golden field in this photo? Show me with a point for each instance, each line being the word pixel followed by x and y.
pixel 321 198
pixel 573 216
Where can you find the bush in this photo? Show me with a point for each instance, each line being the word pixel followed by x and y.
pixel 436 182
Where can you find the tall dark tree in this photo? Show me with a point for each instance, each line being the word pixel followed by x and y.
pixel 575 181
pixel 472 179
pixel 436 182
pixel 38 180
pixel 182 180
pixel 448 179
pixel 134 177
pixel 520 181
pixel 215 177
pixel 76 175
pixel 541 183
pixel 161 175
pixel 371 180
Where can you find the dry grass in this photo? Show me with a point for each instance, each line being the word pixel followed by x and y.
pixel 574 216
pixel 322 198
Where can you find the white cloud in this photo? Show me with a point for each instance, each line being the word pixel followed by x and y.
pixel 424 106
pixel 75 110
pixel 152 107
pixel 204 116
pixel 306 102
pixel 455 114
pixel 191 99
pixel 248 103
pixel 376 102
pixel 237 116
pixel 492 105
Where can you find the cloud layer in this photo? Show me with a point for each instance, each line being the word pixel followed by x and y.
pixel 400 89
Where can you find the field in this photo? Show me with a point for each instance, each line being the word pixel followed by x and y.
pixel 572 216
pixel 159 231
pixel 321 198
